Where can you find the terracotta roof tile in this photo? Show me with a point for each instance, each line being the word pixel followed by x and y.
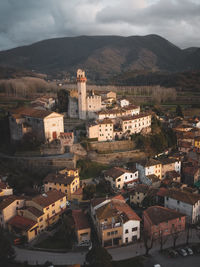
pixel 36 212
pixel 158 214
pixel 183 196
pixel 59 178
pixel 115 172
pixel 80 219
pixel 22 222
pixel 48 198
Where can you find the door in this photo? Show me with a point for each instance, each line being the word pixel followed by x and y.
pixel 54 135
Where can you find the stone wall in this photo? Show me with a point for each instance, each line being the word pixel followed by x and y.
pixel 45 164
pixel 124 145
pixel 117 158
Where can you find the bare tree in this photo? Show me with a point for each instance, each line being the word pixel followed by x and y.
pixel 162 239
pixel 188 232
pixel 175 235
pixel 148 242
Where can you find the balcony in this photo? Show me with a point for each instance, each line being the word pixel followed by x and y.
pixel 110 226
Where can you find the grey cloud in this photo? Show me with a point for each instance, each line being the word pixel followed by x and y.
pixel 26 21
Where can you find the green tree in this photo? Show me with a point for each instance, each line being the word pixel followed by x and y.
pixel 89 191
pixel 179 111
pixel 63 100
pixel 98 257
pixel 7 252
pixel 68 230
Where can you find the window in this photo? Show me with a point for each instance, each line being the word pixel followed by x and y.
pixel 47 208
pixel 53 205
pixel 53 212
pixel 134 229
pixel 41 219
pixel 108 233
pixel 126 240
pixel 178 202
pixel 61 200
pixel 126 231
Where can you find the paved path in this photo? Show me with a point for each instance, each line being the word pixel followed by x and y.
pixel 119 253
pixel 40 257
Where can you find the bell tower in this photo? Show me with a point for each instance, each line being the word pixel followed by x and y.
pixel 81 85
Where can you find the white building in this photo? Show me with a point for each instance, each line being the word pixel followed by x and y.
pixel 124 102
pixel 149 167
pixel 120 177
pixel 114 113
pixel 184 202
pixel 82 105
pixel 116 223
pixel 45 125
pixel 136 123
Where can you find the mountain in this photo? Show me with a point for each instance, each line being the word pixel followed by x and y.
pixel 102 56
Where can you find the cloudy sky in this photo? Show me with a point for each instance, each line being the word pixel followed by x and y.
pixel 27 21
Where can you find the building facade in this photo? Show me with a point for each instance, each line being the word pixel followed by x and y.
pixel 45 125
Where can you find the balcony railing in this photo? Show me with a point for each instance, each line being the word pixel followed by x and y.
pixel 110 226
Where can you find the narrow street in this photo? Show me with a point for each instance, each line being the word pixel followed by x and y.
pixel 119 253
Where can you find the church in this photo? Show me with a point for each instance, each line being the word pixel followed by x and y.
pixel 82 105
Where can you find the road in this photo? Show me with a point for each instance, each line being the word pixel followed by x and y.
pixel 40 257
pixel 164 261
pixel 120 253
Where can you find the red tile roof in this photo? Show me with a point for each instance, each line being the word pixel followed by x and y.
pixel 31 112
pixel 158 214
pixel 6 201
pixel 48 198
pixel 80 219
pixel 116 172
pixel 183 196
pixel 22 223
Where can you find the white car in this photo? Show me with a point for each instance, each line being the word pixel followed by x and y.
pixel 157 265
pixel 189 251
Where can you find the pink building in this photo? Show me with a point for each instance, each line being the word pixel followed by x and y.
pixel 163 221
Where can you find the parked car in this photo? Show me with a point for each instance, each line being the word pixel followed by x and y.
pixel 172 253
pixel 157 265
pixel 189 251
pixel 85 243
pixel 182 252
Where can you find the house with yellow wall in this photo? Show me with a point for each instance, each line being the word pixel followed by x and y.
pixel 115 222
pixel 23 226
pixel 52 204
pixel 197 142
pixel 82 227
pixel 63 183
pixel 34 214
pixel 8 208
pixel 70 172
